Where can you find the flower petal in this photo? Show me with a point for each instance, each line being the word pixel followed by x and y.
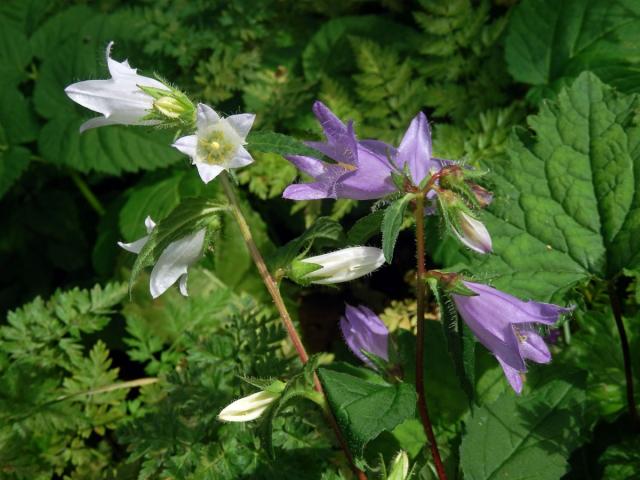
pixel 242 123
pixel 187 145
pixel 307 191
pixel 136 246
pixel 174 261
pixel 206 116
pixel 514 377
pixel 415 149
pixel 182 284
pixel 208 172
pixel 309 165
pixel 241 158
pixel 149 224
pixel 533 346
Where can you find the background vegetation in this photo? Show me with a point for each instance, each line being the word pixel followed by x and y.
pixel 479 69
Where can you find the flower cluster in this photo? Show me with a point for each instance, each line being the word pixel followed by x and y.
pixel 345 167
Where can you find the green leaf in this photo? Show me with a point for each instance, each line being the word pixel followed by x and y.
pixel 16 116
pixel 326 54
pixel 364 409
pixel 622 460
pixel 324 228
pixel 111 150
pixel 549 43
pixel 365 228
pixel 13 163
pixel 460 342
pixel 272 142
pixel 15 53
pixel 192 215
pixel 58 29
pixel 534 433
pixel 391 225
pixel 567 202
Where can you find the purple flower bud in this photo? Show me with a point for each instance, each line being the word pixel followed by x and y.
pixel 506 326
pixel 363 330
pixel 361 171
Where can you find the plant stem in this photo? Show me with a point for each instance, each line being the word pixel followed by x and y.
pixel 421 300
pixel 87 193
pixel 616 307
pixel 274 291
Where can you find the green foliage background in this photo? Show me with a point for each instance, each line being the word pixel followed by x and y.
pixel 503 85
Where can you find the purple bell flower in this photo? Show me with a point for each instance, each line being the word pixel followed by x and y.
pixel 363 330
pixel 361 170
pixel 506 326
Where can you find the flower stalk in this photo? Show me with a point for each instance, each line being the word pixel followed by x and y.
pixel 274 291
pixel 421 300
pixel 616 307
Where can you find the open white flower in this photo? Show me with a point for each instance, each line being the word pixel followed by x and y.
pixel 218 143
pixel 119 98
pixel 174 261
pixel 344 265
pixel 248 408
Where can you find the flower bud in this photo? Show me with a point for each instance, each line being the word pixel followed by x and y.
pixel 483 196
pixel 473 233
pixel 363 330
pixel 248 408
pixel 337 267
pixel 170 107
pixel 399 467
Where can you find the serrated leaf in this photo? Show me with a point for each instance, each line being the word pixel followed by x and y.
pixel 16 116
pixel 549 43
pixel 567 202
pixel 365 228
pixel 364 409
pixel 391 225
pixel 460 343
pixel 191 215
pixel 15 53
pixel 13 163
pixel 272 142
pixel 112 150
pixel 534 433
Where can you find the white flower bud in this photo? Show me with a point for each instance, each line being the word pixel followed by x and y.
pixel 344 265
pixel 399 467
pixel 473 233
pixel 248 408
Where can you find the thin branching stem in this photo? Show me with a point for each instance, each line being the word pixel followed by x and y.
pixel 421 298
pixel 616 307
pixel 274 291
pixel 86 192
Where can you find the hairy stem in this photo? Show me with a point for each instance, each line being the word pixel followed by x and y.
pixel 421 294
pixel 616 307
pixel 274 291
pixel 87 193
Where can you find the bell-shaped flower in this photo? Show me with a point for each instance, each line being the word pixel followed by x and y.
pixel 337 267
pixel 248 408
pixel 506 325
pixel 174 261
pixel 218 144
pixel 363 330
pixel 361 170
pixel 119 99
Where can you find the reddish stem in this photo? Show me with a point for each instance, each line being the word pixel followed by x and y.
pixel 421 300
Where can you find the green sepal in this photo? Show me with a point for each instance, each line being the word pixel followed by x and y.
pixel 267 384
pixel 301 385
pixel 398 180
pixel 378 362
pixel 299 270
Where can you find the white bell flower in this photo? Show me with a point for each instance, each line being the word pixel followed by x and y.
pixel 218 143
pixel 174 261
pixel 344 265
pixel 119 98
pixel 248 408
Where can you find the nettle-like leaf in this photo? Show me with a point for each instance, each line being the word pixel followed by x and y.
pixel 15 53
pixel 272 142
pixel 192 215
pixel 365 228
pixel 391 225
pixel 534 433
pixel 549 43
pixel 364 404
pixel 567 201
